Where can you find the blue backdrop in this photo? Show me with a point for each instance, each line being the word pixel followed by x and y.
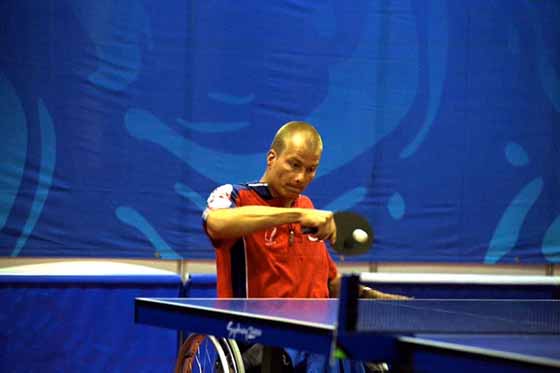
pixel 441 121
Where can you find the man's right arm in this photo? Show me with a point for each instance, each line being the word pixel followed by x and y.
pixel 239 221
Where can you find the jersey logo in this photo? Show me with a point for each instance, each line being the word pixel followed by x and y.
pixel 269 236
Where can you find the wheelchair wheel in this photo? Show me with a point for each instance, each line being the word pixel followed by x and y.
pixel 204 353
pixel 233 355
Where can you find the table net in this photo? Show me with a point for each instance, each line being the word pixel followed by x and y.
pixel 476 316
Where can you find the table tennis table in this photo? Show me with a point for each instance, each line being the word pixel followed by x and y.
pixel 419 335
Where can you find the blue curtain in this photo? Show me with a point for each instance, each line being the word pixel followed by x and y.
pixel 440 121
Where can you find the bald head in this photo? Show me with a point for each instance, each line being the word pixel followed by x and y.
pixel 300 132
pixel 292 161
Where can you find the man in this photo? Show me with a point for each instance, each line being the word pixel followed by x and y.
pixel 261 250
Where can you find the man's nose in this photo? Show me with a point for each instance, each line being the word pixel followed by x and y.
pixel 298 177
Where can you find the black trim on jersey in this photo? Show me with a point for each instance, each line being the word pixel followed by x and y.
pixel 234 194
pixel 261 189
pixel 238 270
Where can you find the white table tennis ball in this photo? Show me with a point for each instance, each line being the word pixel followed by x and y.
pixel 359 235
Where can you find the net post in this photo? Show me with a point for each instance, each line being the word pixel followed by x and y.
pixel 348 303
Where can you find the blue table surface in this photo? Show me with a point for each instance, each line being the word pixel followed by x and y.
pixel 400 317
pixel 318 312
pixel 543 346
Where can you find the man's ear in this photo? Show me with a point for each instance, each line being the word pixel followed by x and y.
pixel 271 156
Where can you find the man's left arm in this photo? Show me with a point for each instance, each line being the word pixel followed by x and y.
pixel 364 292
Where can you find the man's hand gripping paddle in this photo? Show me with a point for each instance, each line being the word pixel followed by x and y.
pixel 354 235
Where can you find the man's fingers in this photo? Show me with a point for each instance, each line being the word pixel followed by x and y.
pixel 319 223
pixel 323 233
pixel 393 297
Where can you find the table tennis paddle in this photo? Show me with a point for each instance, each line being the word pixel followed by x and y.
pixel 354 234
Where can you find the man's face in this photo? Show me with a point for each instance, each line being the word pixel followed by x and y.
pixel 291 171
